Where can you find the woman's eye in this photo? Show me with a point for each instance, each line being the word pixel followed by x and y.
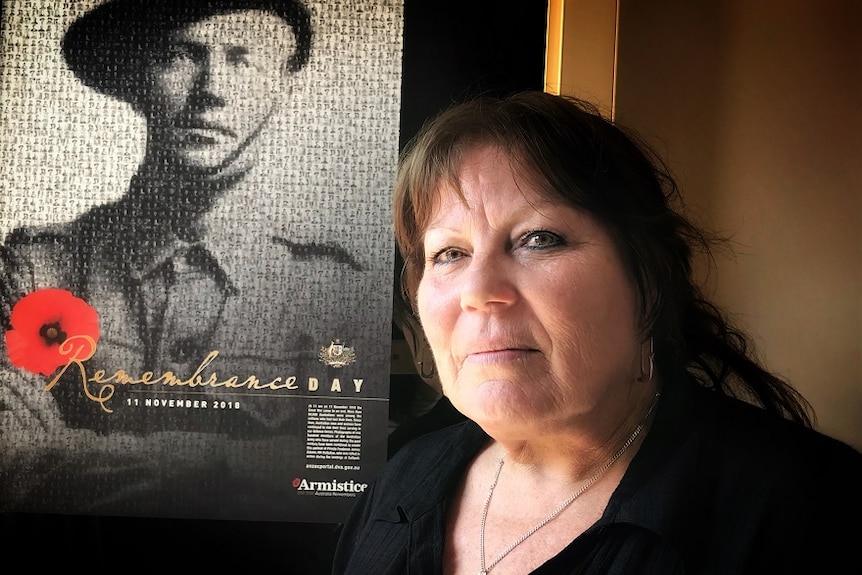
pixel 445 256
pixel 541 240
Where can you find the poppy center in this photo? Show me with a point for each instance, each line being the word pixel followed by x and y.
pixel 52 334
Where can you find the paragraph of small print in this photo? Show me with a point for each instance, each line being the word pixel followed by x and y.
pixel 334 432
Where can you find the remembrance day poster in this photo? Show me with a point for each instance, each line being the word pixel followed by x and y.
pixel 230 230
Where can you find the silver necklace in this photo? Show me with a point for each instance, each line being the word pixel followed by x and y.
pixel 485 568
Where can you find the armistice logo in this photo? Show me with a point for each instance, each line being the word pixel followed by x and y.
pixel 336 354
pixel 347 488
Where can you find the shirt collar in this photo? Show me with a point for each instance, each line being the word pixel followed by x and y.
pixel 658 488
pixel 653 493
pixel 143 240
pixel 450 461
pixel 238 232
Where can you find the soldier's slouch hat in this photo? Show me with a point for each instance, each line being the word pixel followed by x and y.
pixel 105 47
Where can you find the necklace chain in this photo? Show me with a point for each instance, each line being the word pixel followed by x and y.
pixel 485 568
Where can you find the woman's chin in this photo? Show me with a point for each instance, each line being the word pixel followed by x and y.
pixel 498 409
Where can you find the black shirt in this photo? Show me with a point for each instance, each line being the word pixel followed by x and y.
pixel 718 486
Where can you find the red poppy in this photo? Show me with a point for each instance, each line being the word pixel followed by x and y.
pixel 41 321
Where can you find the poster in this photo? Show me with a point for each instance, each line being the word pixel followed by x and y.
pixel 228 223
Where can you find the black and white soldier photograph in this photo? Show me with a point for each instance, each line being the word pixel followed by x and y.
pixel 196 257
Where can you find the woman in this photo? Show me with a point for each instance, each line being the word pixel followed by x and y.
pixel 615 422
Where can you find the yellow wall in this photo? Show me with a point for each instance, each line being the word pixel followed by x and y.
pixel 582 50
pixel 758 106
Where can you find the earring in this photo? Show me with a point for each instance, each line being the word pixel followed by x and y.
pixel 647 374
pixel 430 374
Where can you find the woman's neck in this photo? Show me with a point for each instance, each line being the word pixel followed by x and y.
pixel 574 450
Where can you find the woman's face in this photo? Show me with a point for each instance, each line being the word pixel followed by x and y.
pixel 525 302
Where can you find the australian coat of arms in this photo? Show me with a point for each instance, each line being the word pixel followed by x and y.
pixel 336 354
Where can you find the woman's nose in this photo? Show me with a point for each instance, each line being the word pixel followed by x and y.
pixel 488 284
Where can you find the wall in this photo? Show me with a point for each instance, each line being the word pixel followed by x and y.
pixel 759 107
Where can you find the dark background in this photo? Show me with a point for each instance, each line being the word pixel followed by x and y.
pixel 453 50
